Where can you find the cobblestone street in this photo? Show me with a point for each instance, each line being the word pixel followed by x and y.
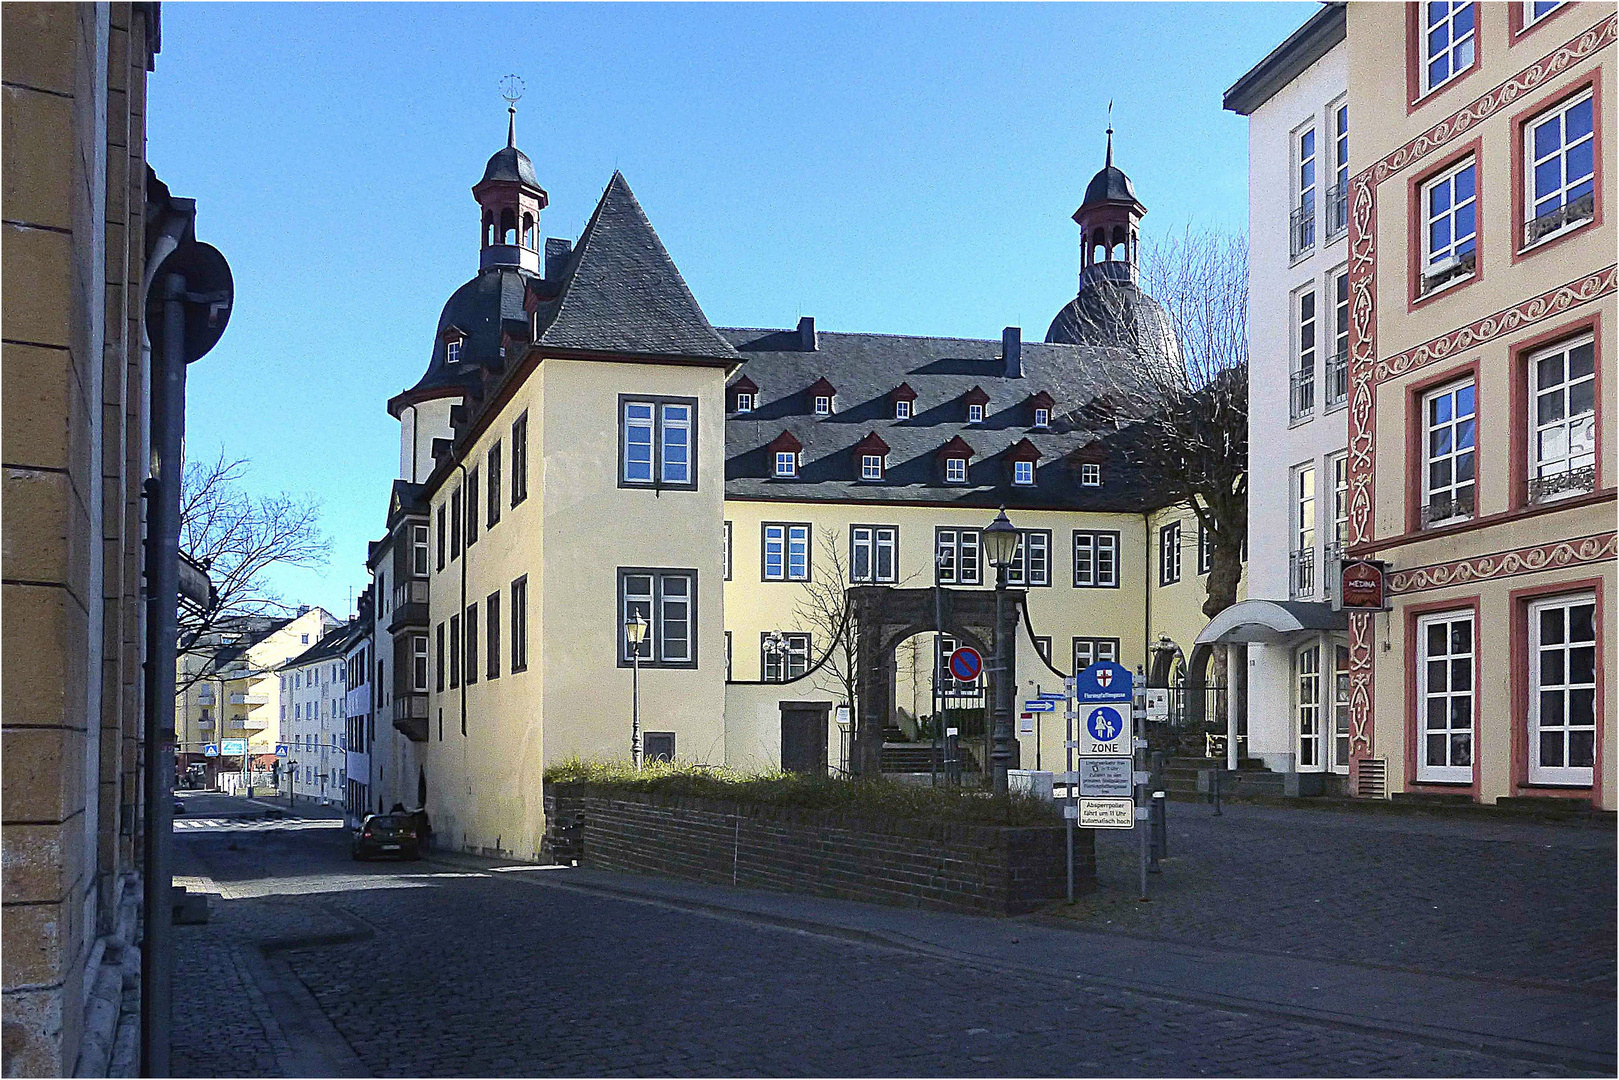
pixel 452 966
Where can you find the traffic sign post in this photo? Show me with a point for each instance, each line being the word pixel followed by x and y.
pixel 965 664
pixel 1103 791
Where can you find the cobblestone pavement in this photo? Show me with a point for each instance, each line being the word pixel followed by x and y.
pixel 1507 900
pixel 461 972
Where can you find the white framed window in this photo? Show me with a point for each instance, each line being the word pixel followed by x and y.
pixel 1169 553
pixel 1090 474
pixel 452 351
pixel 1042 418
pixel 786 463
pixel 823 405
pixel 725 553
pixel 956 557
pixel 975 414
pixel 1562 419
pixel 1031 559
pixel 655 435
pixel 744 402
pixel 418 663
pixel 1023 473
pixel 1336 392
pixel 955 470
pixel 1303 521
pixel 1445 697
pixel 1088 651
pixel 1535 10
pixel 1340 707
pixel 1205 549
pixel 1560 149
pixel 1450 433
pixel 786 554
pixel 871 467
pixel 1304 350
pixel 873 554
pixel 418 550
pixel 787 660
pixel 1338 465
pixel 1449 38
pixel 1562 690
pixel 902 410
pixel 1307 704
pixel 1307 170
pixel 1449 225
pixel 665 599
pixel 1338 194
pixel 1096 560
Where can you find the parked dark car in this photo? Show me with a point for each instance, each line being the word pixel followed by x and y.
pixel 386 834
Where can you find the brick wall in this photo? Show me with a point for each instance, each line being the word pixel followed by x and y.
pixel 968 868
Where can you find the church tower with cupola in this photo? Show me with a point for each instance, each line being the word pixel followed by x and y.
pixel 1109 223
pixel 511 198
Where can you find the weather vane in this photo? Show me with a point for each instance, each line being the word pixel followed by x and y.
pixel 511 88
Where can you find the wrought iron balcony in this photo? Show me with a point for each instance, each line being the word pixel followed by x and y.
pixel 1561 485
pixel 1332 569
pixel 1442 273
pixel 1303 393
pixel 1302 229
pixel 1301 574
pixel 1444 507
pixel 1569 214
pixel 1337 210
pixel 1337 378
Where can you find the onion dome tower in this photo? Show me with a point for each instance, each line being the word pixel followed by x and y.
pixel 511 199
pixel 1111 310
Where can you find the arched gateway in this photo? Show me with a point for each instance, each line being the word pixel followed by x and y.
pixel 885 616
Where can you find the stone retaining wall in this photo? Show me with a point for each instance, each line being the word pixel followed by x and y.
pixel 1003 870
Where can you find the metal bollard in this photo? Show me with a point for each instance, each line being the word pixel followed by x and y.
pixel 1216 786
pixel 1158 822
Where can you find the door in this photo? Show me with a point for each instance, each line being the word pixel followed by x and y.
pixel 803 736
pixel 1307 706
pixel 1340 708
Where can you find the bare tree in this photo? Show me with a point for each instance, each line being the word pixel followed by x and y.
pixel 238 538
pixel 1180 394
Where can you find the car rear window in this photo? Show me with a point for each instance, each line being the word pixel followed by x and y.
pixel 389 821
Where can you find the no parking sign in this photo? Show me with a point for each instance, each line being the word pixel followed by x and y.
pixel 965 663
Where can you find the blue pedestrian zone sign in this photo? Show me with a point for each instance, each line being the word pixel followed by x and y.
pixel 210 750
pixel 1104 681
pixel 1104 724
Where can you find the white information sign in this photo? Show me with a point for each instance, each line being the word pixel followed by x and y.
pixel 1104 730
pixel 1155 703
pixel 1101 777
pixel 1025 724
pixel 1106 813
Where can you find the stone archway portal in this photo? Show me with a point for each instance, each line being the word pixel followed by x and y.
pixel 884 616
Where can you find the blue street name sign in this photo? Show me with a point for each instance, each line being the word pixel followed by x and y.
pixel 1052 695
pixel 1040 705
pixel 1103 681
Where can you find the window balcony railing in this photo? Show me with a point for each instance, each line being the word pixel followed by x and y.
pixel 1337 210
pixel 1332 567
pixel 1444 507
pixel 1580 210
pixel 1303 393
pixel 1337 378
pixel 1302 229
pixel 205 695
pixel 1301 574
pixel 1449 270
pixel 1561 485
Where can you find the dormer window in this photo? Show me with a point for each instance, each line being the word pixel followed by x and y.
pixel 975 400
pixel 904 399
pixel 902 410
pixel 784 451
pixel 955 470
pixel 1040 409
pixel 1090 474
pixel 820 394
pixel 1023 473
pixel 1042 418
pixel 744 403
pixel 823 405
pixel 786 463
pixel 953 457
pixel 452 351
pixel 744 395
pixel 975 414
pixel 871 467
pixel 1020 459
pixel 871 456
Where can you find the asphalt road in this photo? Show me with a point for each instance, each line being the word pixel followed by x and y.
pixel 313 964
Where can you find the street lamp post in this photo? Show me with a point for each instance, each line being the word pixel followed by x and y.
pixel 1000 542
pixel 635 629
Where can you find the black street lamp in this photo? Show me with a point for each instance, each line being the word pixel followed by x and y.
pixel 635 628
pixel 1000 542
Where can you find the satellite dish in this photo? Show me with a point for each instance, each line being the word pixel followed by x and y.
pixel 210 294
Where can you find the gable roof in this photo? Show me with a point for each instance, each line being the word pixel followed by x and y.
pixel 1318 36
pixel 622 293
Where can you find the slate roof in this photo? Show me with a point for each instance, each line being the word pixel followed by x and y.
pixel 1110 185
pixel 482 309
pixel 333 644
pixel 1108 294
pixel 510 164
pixel 622 292
pixel 866 368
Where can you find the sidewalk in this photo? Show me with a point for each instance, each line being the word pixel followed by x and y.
pixel 1562 1027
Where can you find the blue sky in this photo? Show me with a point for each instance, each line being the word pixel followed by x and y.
pixel 886 168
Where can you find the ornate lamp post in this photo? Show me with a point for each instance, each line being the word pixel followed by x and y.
pixel 1000 542
pixel 635 629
